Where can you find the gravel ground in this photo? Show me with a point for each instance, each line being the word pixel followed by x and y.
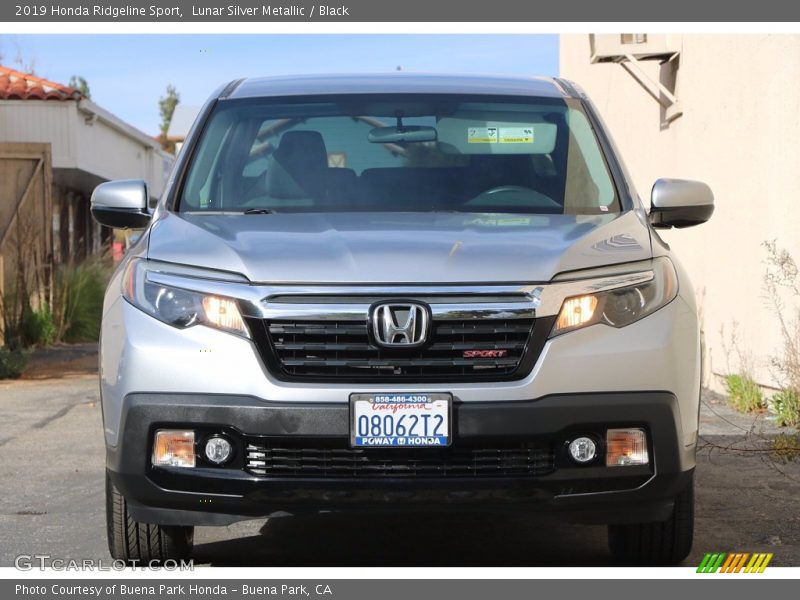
pixel 52 502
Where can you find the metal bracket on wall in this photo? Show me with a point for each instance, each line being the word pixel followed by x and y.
pixel 662 94
pixel 631 50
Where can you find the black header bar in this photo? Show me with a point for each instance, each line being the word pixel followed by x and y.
pixel 342 11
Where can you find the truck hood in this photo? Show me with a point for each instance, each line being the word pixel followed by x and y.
pixel 398 247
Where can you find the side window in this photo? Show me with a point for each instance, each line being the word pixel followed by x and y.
pixel 344 142
pixel 587 162
pixel 263 145
pixel 201 191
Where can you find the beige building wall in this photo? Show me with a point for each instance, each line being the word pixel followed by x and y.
pixel 739 132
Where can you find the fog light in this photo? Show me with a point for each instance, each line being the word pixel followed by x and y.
pixel 626 447
pixel 582 449
pixel 174 448
pixel 218 450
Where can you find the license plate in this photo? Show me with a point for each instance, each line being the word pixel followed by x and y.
pixel 400 420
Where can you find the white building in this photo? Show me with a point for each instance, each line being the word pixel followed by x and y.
pixel 87 145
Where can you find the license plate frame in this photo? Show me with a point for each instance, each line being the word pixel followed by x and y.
pixel 441 404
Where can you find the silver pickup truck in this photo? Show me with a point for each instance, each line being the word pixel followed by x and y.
pixel 400 293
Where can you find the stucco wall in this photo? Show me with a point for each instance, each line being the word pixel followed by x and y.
pixel 739 132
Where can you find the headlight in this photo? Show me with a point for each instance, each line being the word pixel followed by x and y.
pixel 622 306
pixel 178 307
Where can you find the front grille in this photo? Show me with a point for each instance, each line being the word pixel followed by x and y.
pixel 337 460
pixel 333 350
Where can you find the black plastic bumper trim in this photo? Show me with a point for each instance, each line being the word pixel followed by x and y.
pixel 219 496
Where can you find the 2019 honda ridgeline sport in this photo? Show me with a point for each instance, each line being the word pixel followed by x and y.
pixel 400 293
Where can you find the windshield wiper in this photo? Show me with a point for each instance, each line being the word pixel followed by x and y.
pixel 258 211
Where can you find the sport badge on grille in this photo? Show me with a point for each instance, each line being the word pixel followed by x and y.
pixel 401 324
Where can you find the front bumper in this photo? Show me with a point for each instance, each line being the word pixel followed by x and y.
pixel 219 496
pixel 141 354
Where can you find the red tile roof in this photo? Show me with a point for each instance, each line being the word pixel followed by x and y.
pixel 15 85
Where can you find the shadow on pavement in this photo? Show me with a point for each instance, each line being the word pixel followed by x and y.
pixel 422 540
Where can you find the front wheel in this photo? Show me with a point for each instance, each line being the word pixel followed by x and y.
pixel 142 543
pixel 661 543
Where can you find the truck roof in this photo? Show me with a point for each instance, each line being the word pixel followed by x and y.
pixel 397 83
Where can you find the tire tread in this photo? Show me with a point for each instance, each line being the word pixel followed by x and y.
pixel 659 543
pixel 143 543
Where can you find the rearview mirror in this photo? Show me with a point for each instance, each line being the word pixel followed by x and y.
pixel 408 133
pixel 121 204
pixel 680 203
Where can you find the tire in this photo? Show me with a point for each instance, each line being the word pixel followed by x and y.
pixel 142 543
pixel 661 543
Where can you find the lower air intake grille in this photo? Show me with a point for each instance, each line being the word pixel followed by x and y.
pixel 338 460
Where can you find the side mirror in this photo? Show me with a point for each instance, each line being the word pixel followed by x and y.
pixel 121 204
pixel 680 203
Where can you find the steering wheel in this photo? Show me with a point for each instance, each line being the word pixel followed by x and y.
pixel 515 195
pixel 506 188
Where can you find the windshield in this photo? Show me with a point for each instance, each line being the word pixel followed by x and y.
pixel 399 153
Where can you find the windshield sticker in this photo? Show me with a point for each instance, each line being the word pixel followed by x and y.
pixel 482 135
pixel 516 135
